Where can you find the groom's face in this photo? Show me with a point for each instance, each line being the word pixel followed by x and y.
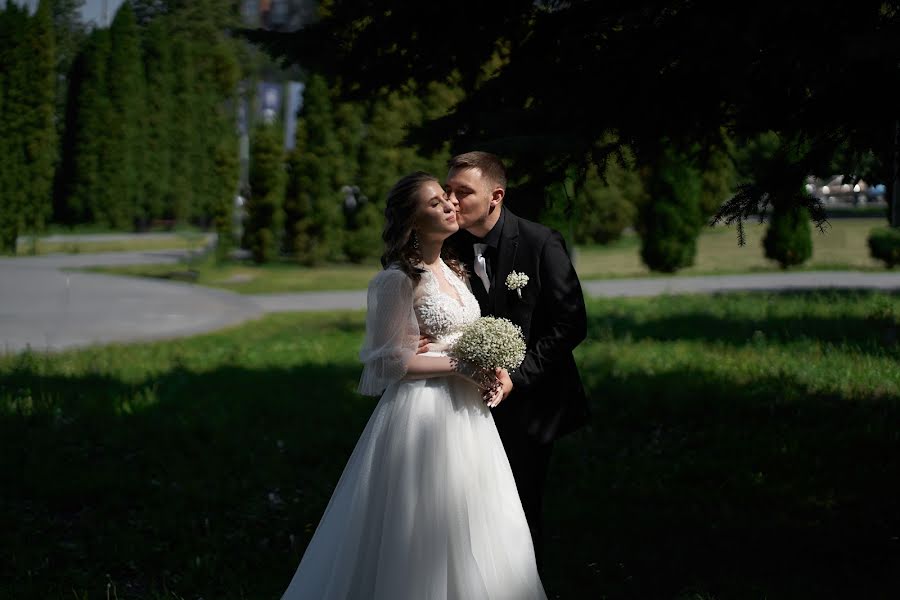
pixel 471 193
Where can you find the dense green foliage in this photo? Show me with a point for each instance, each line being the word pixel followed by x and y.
pixel 884 244
pixel 158 148
pixel 143 116
pixel 789 236
pixel 28 150
pixel 318 168
pixel 121 127
pixel 788 239
pixel 359 146
pixel 604 209
pixel 671 218
pixel 265 214
pixel 694 72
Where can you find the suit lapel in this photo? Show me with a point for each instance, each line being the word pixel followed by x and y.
pixel 506 259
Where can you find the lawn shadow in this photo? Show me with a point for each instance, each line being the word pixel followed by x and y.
pixel 686 485
pixel 198 484
pixel 875 333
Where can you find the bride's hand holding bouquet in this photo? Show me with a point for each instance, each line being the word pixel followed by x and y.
pixel 486 346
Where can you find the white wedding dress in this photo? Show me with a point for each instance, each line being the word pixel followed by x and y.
pixel 426 508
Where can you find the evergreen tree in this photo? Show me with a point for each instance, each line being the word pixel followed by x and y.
pixel 13 109
pixel 208 70
pixel 4 155
pixel 299 240
pixel 148 115
pixel 718 180
pixel 69 35
pixel 158 140
pixel 759 161
pixel 363 238
pixel 126 128
pixel 884 245
pixel 604 209
pixel 89 197
pixel 788 238
pixel 386 154
pixel 362 234
pixel 265 211
pixel 438 100
pixel 314 223
pixel 670 221
pixel 39 132
pixel 226 175
pixel 185 114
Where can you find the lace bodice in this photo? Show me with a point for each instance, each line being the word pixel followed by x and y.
pixel 398 312
pixel 440 315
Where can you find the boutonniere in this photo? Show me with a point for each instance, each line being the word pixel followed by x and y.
pixel 516 281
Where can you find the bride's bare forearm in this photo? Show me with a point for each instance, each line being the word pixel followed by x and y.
pixel 424 367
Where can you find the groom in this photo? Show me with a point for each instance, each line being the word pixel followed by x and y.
pixel 543 399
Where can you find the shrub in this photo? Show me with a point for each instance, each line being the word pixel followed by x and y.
pixel 670 220
pixel 884 244
pixel 789 236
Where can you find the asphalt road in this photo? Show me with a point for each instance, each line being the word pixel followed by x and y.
pixel 45 306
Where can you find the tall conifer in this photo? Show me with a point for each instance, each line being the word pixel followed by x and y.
pixel 126 127
pixel 159 139
pixel 13 109
pixel 39 132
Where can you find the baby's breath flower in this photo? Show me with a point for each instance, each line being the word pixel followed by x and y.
pixel 489 343
pixel 516 281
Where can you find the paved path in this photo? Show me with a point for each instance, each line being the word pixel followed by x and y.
pixel 807 280
pixel 639 286
pixel 80 238
pixel 48 308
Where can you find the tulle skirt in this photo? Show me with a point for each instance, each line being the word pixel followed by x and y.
pixel 426 508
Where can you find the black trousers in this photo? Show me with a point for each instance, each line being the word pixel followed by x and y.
pixel 530 462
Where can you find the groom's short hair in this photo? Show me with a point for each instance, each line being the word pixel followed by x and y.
pixel 490 165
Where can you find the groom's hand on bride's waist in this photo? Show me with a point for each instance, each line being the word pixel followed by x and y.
pixel 427 344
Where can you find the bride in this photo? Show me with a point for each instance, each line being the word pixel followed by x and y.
pixel 426 507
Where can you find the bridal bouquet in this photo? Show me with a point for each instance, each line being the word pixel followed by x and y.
pixel 489 343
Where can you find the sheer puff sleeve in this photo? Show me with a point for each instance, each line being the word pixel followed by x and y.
pixel 392 331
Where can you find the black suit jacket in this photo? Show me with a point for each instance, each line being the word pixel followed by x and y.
pixel 548 398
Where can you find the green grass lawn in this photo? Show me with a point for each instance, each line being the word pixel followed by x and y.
pixel 741 447
pixel 248 278
pixel 185 241
pixel 843 246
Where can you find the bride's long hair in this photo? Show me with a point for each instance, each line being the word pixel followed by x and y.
pixel 400 243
